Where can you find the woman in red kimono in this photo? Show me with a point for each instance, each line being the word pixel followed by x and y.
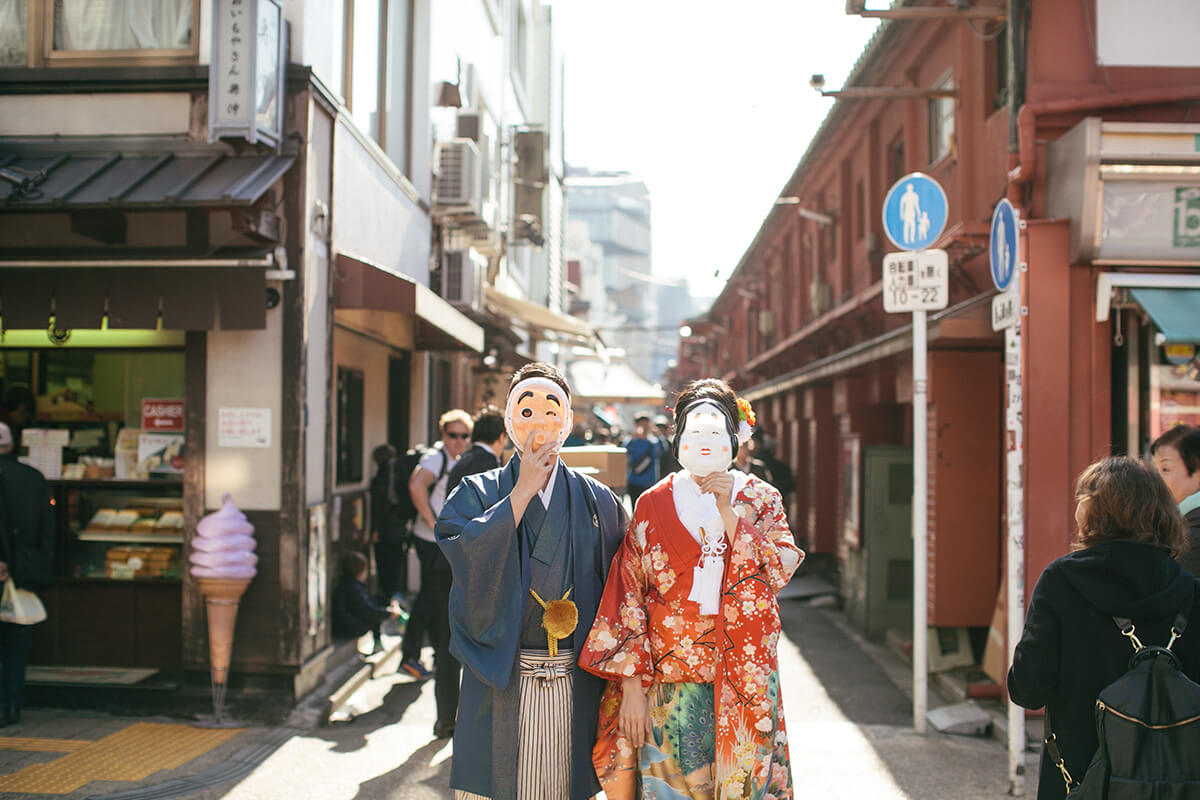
pixel 688 626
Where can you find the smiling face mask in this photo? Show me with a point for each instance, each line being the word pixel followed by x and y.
pixel 705 443
pixel 538 406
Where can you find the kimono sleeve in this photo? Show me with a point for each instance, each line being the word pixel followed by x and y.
pixel 763 535
pixel 618 645
pixel 478 535
pixel 1033 678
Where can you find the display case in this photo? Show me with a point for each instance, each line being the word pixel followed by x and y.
pixel 119 530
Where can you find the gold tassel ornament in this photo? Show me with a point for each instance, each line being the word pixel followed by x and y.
pixel 559 618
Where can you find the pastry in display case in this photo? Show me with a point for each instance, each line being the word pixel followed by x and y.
pixel 122 533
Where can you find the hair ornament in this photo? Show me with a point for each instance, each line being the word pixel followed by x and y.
pixel 746 420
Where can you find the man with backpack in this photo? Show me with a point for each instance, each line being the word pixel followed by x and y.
pixel 392 514
pixel 427 488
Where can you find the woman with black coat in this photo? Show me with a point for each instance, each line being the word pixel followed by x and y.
pixel 1123 565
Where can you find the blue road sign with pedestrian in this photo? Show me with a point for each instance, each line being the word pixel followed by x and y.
pixel 914 212
pixel 1002 251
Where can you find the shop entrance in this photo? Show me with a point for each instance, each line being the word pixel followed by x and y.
pixel 107 431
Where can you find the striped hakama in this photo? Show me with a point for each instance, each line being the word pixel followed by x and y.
pixel 544 728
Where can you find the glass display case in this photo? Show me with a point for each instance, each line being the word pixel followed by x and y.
pixel 120 530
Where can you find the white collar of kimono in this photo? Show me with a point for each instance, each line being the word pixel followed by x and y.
pixel 697 509
pixel 548 492
pixel 542 384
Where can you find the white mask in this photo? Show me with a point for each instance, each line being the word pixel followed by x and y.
pixel 704 445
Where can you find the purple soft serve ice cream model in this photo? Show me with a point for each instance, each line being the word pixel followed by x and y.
pixel 223 564
pixel 224 545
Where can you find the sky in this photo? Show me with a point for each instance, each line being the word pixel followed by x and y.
pixel 708 102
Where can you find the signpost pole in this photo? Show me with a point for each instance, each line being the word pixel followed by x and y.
pixel 1015 550
pixel 920 640
pixel 917 280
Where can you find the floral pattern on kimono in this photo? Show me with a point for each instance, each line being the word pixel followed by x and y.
pixel 646 626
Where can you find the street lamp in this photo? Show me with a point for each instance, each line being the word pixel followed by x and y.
pixel 815 216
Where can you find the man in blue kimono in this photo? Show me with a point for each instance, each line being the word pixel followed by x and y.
pixel 530 545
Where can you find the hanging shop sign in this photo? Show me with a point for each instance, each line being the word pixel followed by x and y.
pixel 246 71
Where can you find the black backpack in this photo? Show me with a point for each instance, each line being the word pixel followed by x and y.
pixel 400 514
pixel 1148 724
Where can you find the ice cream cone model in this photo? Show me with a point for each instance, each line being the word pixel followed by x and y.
pixel 221 598
pixel 222 564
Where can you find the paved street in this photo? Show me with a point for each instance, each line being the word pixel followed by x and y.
pixel 849 725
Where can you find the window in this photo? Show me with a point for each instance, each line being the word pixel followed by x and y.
pixel 996 65
pixel 349 425
pixel 896 165
pixel 398 109
pixel 860 206
pixel 87 32
pixel 521 46
pixel 367 64
pixel 14 26
pixel 377 74
pixel 941 122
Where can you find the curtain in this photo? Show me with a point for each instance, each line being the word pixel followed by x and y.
pixel 122 24
pixel 13 18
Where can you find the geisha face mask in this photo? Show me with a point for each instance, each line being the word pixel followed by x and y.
pixel 705 442
pixel 538 406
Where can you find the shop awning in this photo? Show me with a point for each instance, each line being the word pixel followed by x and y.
pixel 1176 312
pixel 439 326
pixel 188 294
pixel 535 316
pixel 41 179
pixel 593 381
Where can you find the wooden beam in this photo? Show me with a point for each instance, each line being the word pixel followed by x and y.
pixel 892 92
pixel 927 13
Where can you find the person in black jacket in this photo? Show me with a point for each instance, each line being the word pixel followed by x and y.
pixel 1123 565
pixel 1176 456
pixel 26 557
pixel 488 440
pixel 353 611
pixel 487 445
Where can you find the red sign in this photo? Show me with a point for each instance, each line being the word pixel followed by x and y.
pixel 162 415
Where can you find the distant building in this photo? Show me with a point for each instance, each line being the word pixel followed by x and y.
pixel 615 208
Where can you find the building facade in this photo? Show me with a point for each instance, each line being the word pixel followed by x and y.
pixel 1078 114
pixel 221 274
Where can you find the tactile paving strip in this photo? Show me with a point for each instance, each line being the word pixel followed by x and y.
pixel 43 745
pixel 130 754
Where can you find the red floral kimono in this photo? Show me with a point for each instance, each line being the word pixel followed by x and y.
pixel 705 674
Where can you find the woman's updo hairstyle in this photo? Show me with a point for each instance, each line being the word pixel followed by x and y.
pixel 713 390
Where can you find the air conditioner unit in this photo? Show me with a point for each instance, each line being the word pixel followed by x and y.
pixel 462 278
pixel 458 187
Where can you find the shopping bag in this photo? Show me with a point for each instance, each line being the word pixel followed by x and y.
pixel 20 606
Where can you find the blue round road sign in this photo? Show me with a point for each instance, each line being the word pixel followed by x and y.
pixel 914 212
pixel 1002 249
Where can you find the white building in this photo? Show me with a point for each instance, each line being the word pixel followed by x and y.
pixel 234 205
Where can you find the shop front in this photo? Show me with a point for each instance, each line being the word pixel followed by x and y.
pixel 120 321
pixel 1114 308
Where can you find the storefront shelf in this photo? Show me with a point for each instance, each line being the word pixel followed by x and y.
pixel 130 538
pixel 115 483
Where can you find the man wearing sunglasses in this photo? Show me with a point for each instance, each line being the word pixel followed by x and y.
pixel 427 486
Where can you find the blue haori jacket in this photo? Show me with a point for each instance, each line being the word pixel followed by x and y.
pixel 479 537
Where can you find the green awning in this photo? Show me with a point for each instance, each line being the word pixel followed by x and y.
pixel 1176 312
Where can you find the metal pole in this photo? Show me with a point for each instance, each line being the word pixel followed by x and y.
pixel 920 640
pixel 1015 580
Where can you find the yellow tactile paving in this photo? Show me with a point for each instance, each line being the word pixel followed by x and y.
pixel 130 754
pixel 43 745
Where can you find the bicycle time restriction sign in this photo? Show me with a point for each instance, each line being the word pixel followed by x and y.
pixel 916 280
